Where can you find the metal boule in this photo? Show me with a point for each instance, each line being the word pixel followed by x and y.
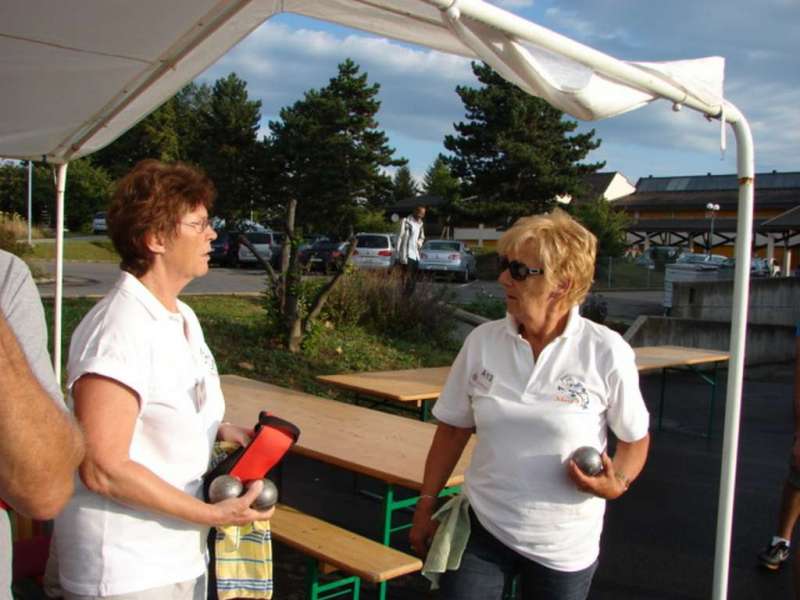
pixel 267 497
pixel 588 460
pixel 224 487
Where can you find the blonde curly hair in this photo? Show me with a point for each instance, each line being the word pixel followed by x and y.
pixel 566 248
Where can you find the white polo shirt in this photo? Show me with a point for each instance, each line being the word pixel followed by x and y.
pixel 106 548
pixel 529 418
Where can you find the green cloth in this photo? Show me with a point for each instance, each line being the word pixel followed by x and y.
pixel 449 541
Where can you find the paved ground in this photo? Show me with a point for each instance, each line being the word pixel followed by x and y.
pixel 659 538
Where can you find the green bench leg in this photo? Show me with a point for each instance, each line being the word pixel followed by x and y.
pixel 333 589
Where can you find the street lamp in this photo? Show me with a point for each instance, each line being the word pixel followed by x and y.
pixel 713 209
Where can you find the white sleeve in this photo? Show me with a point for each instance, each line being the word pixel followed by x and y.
pixel 627 414
pixel 454 406
pixel 111 351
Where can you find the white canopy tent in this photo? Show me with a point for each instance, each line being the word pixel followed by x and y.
pixel 77 75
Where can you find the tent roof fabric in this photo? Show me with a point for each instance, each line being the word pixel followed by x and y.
pixel 85 73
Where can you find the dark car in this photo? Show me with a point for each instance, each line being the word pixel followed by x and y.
pixel 225 249
pixel 324 256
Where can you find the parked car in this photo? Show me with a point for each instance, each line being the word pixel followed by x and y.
pixel 275 245
pixel 447 257
pixel 261 242
pixel 759 267
pixel 225 249
pixel 324 256
pixel 374 251
pixel 99 224
pixel 699 262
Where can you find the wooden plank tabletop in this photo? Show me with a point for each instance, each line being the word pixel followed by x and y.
pixel 408 385
pixel 413 385
pixel 388 447
pixel 659 357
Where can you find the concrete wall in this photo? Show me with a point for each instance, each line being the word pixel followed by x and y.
pixel 765 343
pixel 773 301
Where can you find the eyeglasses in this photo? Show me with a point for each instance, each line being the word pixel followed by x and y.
pixel 518 270
pixel 198 226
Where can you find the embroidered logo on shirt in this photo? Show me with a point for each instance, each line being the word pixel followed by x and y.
pixel 572 391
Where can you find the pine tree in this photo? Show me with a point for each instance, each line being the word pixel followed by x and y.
pixel 403 185
pixel 231 153
pixel 515 153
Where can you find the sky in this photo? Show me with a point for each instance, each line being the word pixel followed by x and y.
pixel 760 42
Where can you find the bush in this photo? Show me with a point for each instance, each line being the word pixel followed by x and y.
pixel 375 301
pixel 13 228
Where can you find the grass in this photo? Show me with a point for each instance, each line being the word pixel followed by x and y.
pixel 97 251
pixel 234 330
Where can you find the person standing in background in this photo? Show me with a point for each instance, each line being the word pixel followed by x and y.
pixel 409 242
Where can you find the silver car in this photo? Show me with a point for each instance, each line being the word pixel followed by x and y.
pixel 261 242
pixel 374 251
pixel 447 257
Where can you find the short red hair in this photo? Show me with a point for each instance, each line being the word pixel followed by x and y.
pixel 152 198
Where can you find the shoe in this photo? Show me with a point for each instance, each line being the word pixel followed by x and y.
pixel 773 556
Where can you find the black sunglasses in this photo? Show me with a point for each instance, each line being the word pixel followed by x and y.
pixel 518 270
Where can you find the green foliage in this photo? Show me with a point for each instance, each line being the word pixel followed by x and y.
pixel 440 181
pixel 231 153
pixel 607 223
pixel 372 221
pixel 371 300
pixel 515 153
pixel 169 133
pixel 403 185
pixel 88 190
pixel 327 153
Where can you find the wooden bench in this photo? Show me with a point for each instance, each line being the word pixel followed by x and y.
pixel 331 548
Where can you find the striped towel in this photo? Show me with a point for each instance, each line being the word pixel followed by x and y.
pixel 244 561
pixel 243 553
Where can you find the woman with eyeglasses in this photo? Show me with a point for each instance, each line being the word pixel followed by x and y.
pixel 145 389
pixel 533 387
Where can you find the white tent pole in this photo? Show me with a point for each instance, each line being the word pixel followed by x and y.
pixel 30 201
pixel 61 183
pixel 741 290
pixel 564 46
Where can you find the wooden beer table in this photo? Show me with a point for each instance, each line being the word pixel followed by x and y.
pixel 423 386
pixel 389 448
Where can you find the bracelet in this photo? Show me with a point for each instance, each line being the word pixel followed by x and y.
pixel 421 496
pixel 623 479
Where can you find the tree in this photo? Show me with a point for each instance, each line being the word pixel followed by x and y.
pixel 403 185
pixel 439 181
pixel 607 223
pixel 515 153
pixel 230 151
pixel 328 153
pixel 88 190
pixel 325 161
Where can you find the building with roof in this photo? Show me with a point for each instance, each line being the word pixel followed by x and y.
pixel 673 211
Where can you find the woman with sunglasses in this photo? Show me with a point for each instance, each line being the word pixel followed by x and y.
pixel 145 389
pixel 534 387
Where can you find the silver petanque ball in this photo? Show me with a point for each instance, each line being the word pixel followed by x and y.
pixel 223 488
pixel 588 460
pixel 267 498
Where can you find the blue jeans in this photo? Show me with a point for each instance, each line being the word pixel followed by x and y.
pixel 488 567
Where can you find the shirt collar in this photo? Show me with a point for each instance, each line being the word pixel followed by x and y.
pixel 129 284
pixel 574 323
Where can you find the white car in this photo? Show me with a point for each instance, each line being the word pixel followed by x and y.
pixel 99 224
pixel 261 242
pixel 374 251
